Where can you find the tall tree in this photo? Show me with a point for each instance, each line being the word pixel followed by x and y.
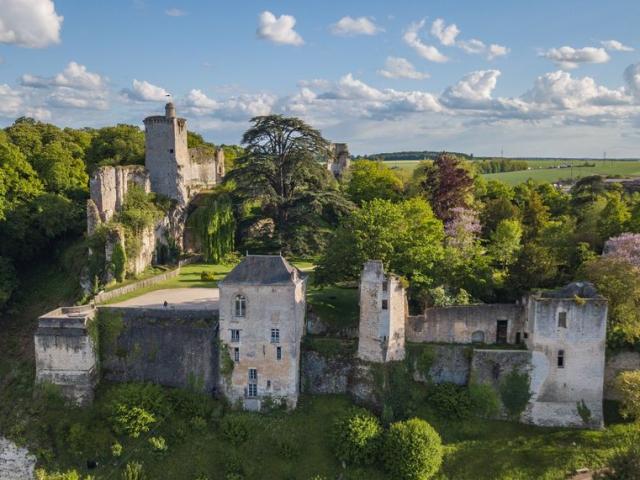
pixel 280 170
pixel 447 185
pixel 368 179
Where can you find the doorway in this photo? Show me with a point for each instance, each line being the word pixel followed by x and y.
pixel 501 331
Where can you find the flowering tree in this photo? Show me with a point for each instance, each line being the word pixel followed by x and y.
pixel 624 247
pixel 462 228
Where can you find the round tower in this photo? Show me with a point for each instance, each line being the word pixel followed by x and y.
pixel 170 110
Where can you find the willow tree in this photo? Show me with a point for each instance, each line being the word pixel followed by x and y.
pixel 214 225
pixel 281 172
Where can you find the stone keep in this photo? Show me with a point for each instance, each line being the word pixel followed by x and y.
pixel 166 154
pixel 262 310
pixel 339 159
pixel 65 352
pixel 566 333
pixel 381 333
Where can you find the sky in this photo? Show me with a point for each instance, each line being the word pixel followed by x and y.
pixel 543 78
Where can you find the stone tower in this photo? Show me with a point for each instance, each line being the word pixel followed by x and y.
pixel 382 315
pixel 167 156
pixel 339 159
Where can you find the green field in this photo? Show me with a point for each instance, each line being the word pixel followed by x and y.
pixel 544 170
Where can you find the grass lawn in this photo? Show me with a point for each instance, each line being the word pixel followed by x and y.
pixel 542 170
pixel 336 306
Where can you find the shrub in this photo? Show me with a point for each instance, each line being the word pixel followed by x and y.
pixel 450 400
pixel 132 420
pixel 147 396
pixel 515 393
pixel 412 450
pixel 484 400
pixel 625 465
pixel 208 276
pixel 356 437
pixel 584 412
pixel 119 260
pixel 116 449
pixel 235 428
pixel 69 475
pixel 133 471
pixel 158 444
pixel 628 384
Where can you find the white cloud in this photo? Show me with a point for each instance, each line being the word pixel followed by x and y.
pixel 632 79
pixel 348 26
pixel 561 90
pixel 29 23
pixel 198 103
pixel 569 57
pixel 428 52
pixel 615 46
pixel 278 30
pixel 472 91
pixel 73 76
pixel 144 91
pixel 398 67
pixel 446 34
pixel 496 51
pixel 175 12
pixel 473 46
pixel 64 97
pixel 10 102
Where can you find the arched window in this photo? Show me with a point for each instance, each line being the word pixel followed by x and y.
pixel 240 306
pixel 477 336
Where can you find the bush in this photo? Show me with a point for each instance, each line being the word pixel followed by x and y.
pixel 625 465
pixel 235 428
pixel 356 437
pixel 147 396
pixel 116 449
pixel 484 400
pixel 450 400
pixel 133 471
pixel 132 420
pixel 119 260
pixel 515 393
pixel 158 444
pixel 69 475
pixel 628 384
pixel 208 276
pixel 412 450
pixel 584 412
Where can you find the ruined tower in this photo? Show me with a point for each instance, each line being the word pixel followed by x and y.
pixel 382 315
pixel 339 159
pixel 167 156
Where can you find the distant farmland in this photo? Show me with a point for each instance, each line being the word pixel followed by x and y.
pixel 543 170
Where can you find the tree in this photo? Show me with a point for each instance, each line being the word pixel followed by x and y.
pixel 496 210
pixel 412 450
pixel 535 215
pixel 59 170
pixel 625 247
pixel 119 145
pixel 356 437
pixel 18 181
pixel 619 282
pixel 462 228
pixel 8 281
pixel 280 171
pixel 369 179
pixel 614 217
pixel 405 236
pixel 447 185
pixel 505 242
pixel 628 384
pixel 535 268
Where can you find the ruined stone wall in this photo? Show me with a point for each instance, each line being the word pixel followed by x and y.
pixel 16 463
pixel 617 363
pixel 108 188
pixel 175 348
pixel 65 352
pixel 381 333
pixel 267 307
pixel 458 324
pixel 204 170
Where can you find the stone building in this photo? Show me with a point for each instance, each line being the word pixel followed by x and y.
pixel 382 315
pixel 171 169
pixel 339 159
pixel 262 311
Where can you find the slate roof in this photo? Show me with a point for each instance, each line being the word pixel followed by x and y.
pixel 263 270
pixel 580 289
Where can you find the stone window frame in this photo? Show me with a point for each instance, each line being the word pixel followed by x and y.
pixel 235 335
pixel 240 306
pixel 275 335
pixel 252 386
pixel 278 353
pixel 562 319
pixel 236 354
pixel 385 304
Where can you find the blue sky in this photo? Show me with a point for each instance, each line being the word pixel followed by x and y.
pixel 535 78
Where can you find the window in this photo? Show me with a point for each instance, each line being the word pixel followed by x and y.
pixel 252 387
pixel 252 390
pixel 279 353
pixel 385 304
pixel 171 150
pixel 562 319
pixel 236 354
pixel 385 286
pixel 560 358
pixel 240 306
pixel 526 335
pixel 518 338
pixel 235 336
pixel 275 335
